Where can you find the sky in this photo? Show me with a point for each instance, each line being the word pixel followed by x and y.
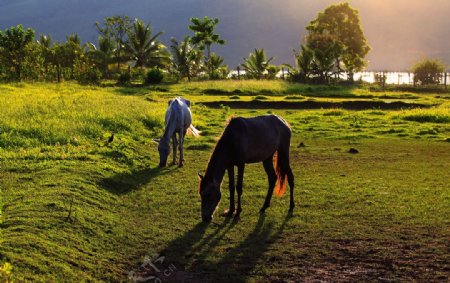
pixel 400 32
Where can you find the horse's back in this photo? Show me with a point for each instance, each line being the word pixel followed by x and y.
pixel 257 138
pixel 179 113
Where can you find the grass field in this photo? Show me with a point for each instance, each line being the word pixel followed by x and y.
pixel 379 215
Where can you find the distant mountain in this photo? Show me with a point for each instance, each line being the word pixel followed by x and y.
pixel 398 31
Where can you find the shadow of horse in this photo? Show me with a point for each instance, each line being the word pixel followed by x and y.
pixel 126 182
pixel 191 253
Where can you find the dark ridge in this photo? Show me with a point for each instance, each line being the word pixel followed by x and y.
pixel 349 105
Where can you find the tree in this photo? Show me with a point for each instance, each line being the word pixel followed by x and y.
pixel 205 36
pixel 324 50
pixel 15 44
pixel 102 55
pixel 342 23
pixel 115 29
pixel 218 69
pixel 256 64
pixel 303 64
pixel 144 48
pixel 187 61
pixel 428 71
pixel 45 43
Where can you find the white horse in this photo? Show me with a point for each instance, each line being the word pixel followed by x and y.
pixel 178 120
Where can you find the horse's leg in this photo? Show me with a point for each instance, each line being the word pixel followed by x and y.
pixel 240 182
pixel 231 186
pixel 182 134
pixel 272 179
pixel 286 167
pixel 174 148
pixel 290 177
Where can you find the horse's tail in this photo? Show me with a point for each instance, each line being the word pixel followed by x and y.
pixel 280 186
pixel 192 130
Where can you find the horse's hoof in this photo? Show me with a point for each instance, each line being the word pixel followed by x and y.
pixel 228 213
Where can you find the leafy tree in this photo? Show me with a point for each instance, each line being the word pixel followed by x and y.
pixel 342 23
pixel 115 29
pixel 205 36
pixel 144 48
pixel 15 44
pixel 428 71
pixel 256 64
pixel 325 50
pixel 187 61
pixel 46 44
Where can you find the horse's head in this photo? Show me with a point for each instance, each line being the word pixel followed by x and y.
pixel 164 151
pixel 210 195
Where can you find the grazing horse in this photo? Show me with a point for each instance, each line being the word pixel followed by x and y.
pixel 178 119
pixel 248 140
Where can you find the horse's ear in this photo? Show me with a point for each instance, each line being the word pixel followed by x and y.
pixel 188 103
pixel 200 176
pixel 170 101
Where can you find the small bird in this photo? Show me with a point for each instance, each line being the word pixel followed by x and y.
pixel 111 138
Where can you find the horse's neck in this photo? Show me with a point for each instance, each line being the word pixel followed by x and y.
pixel 169 130
pixel 219 162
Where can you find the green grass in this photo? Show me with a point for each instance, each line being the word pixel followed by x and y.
pixel 380 213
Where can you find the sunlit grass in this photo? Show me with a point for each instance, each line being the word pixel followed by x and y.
pixel 359 210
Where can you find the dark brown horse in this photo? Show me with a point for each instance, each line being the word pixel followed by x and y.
pixel 248 140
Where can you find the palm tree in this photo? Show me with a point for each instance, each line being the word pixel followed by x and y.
pixel 205 36
pixel 186 59
pixel 256 65
pixel 144 48
pixel 102 55
pixel 217 67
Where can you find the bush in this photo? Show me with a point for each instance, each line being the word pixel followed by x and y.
pixel 428 71
pixel 124 78
pixel 154 76
pixel 89 76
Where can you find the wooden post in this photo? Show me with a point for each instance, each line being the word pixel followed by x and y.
pixel 239 72
pixel 445 80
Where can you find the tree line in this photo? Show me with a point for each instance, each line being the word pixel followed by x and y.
pixel 128 50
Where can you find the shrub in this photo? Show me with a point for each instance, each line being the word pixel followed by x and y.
pixel 428 71
pixel 89 76
pixel 124 78
pixel 154 76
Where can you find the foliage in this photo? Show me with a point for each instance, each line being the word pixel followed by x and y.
pixel 256 64
pixel 144 47
pixel 124 78
pixel 187 60
pixel 217 67
pixel 325 50
pixel 16 45
pixel 428 71
pixel 154 76
pixel 303 63
pixel 341 23
pixel 380 78
pixel 205 36
pixel 113 33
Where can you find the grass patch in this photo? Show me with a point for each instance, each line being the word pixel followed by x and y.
pixel 359 216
